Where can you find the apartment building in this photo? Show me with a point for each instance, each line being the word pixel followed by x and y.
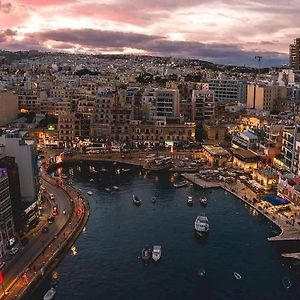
pixel 8 107
pixel 203 105
pixel 294 54
pixel 167 102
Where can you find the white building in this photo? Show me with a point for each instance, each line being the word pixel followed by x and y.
pixel 8 107
pixel 203 105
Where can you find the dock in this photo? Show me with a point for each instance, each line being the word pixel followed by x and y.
pixel 200 182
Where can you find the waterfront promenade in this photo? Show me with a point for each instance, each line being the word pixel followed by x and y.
pixel 49 247
pixel 289 231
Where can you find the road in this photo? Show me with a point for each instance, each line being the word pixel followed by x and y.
pixel 38 240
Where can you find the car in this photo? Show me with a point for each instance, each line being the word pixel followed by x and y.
pixel 51 196
pixel 42 188
pixel 2 265
pixel 45 229
pixel 50 219
pixel 13 251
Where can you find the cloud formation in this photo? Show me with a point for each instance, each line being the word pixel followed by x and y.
pixel 230 31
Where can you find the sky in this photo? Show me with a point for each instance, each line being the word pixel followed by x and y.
pixel 220 31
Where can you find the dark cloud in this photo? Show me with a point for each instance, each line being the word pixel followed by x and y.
pixel 105 41
pixel 5 7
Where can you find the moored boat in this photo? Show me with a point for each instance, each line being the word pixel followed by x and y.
pixel 237 276
pixel 90 193
pixel 153 199
pixel 146 254
pixel 203 201
pixel 181 184
pixel 201 225
pixel 107 189
pixel 50 294
pixel 115 187
pixel 286 283
pixel 156 253
pixel 189 200
pixel 136 200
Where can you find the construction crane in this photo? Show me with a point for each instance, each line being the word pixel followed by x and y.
pixel 259 58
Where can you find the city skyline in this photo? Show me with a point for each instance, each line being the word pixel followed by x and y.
pixel 231 33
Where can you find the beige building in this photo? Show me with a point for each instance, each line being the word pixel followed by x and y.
pixel 8 107
pixel 66 126
pixel 216 155
pixel 265 97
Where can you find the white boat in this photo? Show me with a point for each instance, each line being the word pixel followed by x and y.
pixel 203 201
pixel 107 189
pixel 91 180
pixel 237 275
pixel 153 199
pixel 136 200
pixel 115 187
pixel 189 200
pixel 126 170
pixel 201 225
pixel 50 294
pixel 181 184
pixel 103 170
pixel 63 176
pixel 156 253
pixel 90 193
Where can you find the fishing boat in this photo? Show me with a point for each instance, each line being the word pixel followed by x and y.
pixel 189 200
pixel 203 201
pixel 146 254
pixel 181 184
pixel 90 193
pixel 108 190
pixel 50 294
pixel 201 225
pixel 153 199
pixel 115 187
pixel 136 200
pixel 156 253
pixel 286 283
pixel 237 276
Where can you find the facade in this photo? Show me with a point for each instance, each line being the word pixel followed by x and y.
pixel 245 140
pixel 8 107
pixel 265 97
pixel 7 231
pixel 167 102
pixel 245 159
pixel 228 90
pixel 203 105
pixel 216 156
pixel 295 54
pixel 66 126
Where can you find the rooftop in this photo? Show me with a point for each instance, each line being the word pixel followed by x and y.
pixel 216 150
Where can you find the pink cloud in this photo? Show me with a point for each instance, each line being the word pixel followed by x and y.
pixel 45 2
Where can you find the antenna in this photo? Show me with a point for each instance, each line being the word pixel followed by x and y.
pixel 259 58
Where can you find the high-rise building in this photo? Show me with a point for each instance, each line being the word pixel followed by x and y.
pixel 7 230
pixel 203 105
pixel 265 97
pixel 8 107
pixel 295 54
pixel 167 102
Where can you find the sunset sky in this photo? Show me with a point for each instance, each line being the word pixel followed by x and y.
pixel 222 31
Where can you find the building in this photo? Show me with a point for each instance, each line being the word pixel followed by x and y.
pixel 7 231
pixel 215 133
pixel 167 102
pixel 216 155
pixel 265 97
pixel 245 140
pixel 66 127
pixel 8 107
pixel 267 177
pixel 295 54
pixel 245 159
pixel 203 105
pixel 228 90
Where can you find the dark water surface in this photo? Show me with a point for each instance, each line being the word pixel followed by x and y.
pixel 107 265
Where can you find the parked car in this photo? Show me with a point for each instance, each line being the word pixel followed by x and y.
pixel 50 219
pixel 51 196
pixel 45 229
pixel 13 251
pixel 2 265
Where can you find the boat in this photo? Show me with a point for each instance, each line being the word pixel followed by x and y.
pixel 126 170
pixel 50 294
pixel 63 176
pixel 201 225
pixel 181 184
pixel 156 253
pixel 103 170
pixel 286 283
pixel 201 272
pixel 189 200
pixel 237 275
pixel 107 189
pixel 90 193
pixel 136 200
pixel 115 187
pixel 203 201
pixel 146 254
pixel 91 180
pixel 153 199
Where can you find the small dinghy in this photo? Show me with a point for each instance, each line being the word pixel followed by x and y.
pixel 50 294
pixel 237 276
pixel 153 199
pixel 90 193
pixel 286 283
pixel 201 273
pixel 91 180
pixel 146 254
pixel 115 187
pixel 107 189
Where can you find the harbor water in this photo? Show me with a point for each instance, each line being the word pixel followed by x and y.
pixel 108 264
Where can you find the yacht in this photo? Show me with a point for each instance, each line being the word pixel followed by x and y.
pixel 115 187
pixel 181 184
pixel 90 193
pixel 146 254
pixel 107 189
pixel 156 253
pixel 201 225
pixel 50 294
pixel 203 201
pixel 189 200
pixel 136 200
